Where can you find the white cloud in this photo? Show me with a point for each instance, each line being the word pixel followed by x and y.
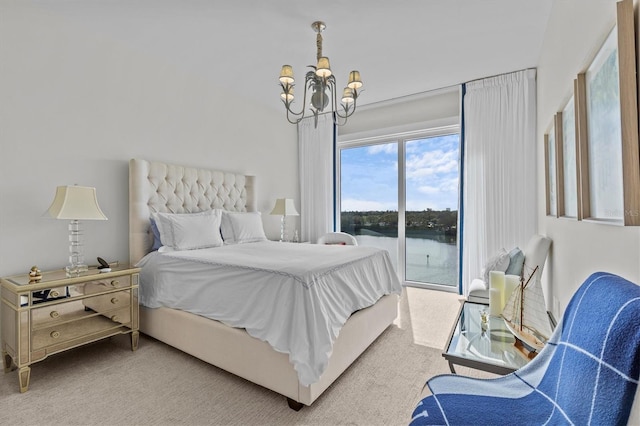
pixel 449 185
pixel 387 148
pixel 430 190
pixel 432 163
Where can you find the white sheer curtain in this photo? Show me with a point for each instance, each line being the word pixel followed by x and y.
pixel 316 177
pixel 500 200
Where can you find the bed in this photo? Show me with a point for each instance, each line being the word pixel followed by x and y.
pixel 156 187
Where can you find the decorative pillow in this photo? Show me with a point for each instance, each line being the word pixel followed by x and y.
pixel 516 262
pixel 499 262
pixel 238 228
pixel 157 242
pixel 189 231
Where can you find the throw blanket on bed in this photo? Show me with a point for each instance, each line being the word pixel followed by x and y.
pixel 296 297
pixel 586 374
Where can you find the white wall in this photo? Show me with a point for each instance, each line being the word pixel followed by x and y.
pixel 76 105
pixel 575 32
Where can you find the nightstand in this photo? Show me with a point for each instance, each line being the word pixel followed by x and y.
pixel 56 313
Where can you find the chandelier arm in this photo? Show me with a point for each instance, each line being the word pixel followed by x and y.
pixel 304 94
pixel 291 113
pixel 333 95
pixel 294 121
pixel 287 105
pixel 286 89
pixel 335 114
pixel 348 111
pixel 336 120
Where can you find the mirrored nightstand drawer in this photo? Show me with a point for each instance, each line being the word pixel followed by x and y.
pixel 65 333
pixel 105 304
pixel 50 294
pixel 99 286
pixel 46 316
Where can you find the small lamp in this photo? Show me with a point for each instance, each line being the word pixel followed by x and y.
pixel 75 203
pixel 284 207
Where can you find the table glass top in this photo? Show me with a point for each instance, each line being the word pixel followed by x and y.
pixel 489 343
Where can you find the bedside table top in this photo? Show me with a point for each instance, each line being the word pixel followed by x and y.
pixel 59 277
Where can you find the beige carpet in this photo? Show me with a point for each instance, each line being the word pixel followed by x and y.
pixel 107 384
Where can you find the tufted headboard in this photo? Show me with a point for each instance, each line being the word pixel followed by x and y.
pixel 161 187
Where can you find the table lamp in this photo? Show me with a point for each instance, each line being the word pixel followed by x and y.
pixel 75 203
pixel 284 207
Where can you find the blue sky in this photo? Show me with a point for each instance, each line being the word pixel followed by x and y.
pixel 369 175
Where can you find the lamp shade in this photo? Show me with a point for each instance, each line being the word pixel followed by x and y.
pixel 347 95
pixel 284 207
pixel 354 80
pixel 286 75
pixel 75 203
pixel 323 69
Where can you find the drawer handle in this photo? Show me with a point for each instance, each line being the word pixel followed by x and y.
pixel 114 300
pixel 115 318
pixel 54 314
pixel 115 283
pixel 54 293
pixel 55 334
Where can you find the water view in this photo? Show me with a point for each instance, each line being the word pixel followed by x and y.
pixel 427 260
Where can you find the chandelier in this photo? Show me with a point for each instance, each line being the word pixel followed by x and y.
pixel 321 83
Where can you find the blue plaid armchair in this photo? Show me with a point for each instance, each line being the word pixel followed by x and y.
pixel 586 374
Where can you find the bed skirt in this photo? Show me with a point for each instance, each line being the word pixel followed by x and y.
pixel 235 351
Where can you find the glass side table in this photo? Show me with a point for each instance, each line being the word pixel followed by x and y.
pixel 485 346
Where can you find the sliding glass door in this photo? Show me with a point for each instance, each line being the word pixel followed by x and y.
pixel 431 210
pixel 401 194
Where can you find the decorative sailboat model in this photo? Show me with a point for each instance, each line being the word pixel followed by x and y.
pixel 526 317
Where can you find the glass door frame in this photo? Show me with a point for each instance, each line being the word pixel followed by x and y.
pixel 400 139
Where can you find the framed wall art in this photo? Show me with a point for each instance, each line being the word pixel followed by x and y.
pixel 607 123
pixel 550 169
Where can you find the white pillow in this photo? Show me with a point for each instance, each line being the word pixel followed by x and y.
pixel 499 262
pixel 189 231
pixel 238 228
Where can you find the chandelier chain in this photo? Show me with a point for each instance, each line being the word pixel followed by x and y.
pixel 319 46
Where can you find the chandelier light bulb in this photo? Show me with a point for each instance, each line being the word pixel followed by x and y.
pixel 287 97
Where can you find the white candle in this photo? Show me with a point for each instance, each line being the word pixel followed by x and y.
pixel 510 283
pixel 495 302
pixel 496 280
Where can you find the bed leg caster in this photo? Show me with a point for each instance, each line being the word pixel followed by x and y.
pixel 294 405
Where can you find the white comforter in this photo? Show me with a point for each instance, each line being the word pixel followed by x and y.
pixel 296 297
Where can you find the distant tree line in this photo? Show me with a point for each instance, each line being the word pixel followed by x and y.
pixel 419 224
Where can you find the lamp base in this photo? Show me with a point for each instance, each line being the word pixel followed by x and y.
pixel 283 229
pixel 75 270
pixel 76 255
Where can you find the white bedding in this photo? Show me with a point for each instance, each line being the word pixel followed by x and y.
pixel 294 296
